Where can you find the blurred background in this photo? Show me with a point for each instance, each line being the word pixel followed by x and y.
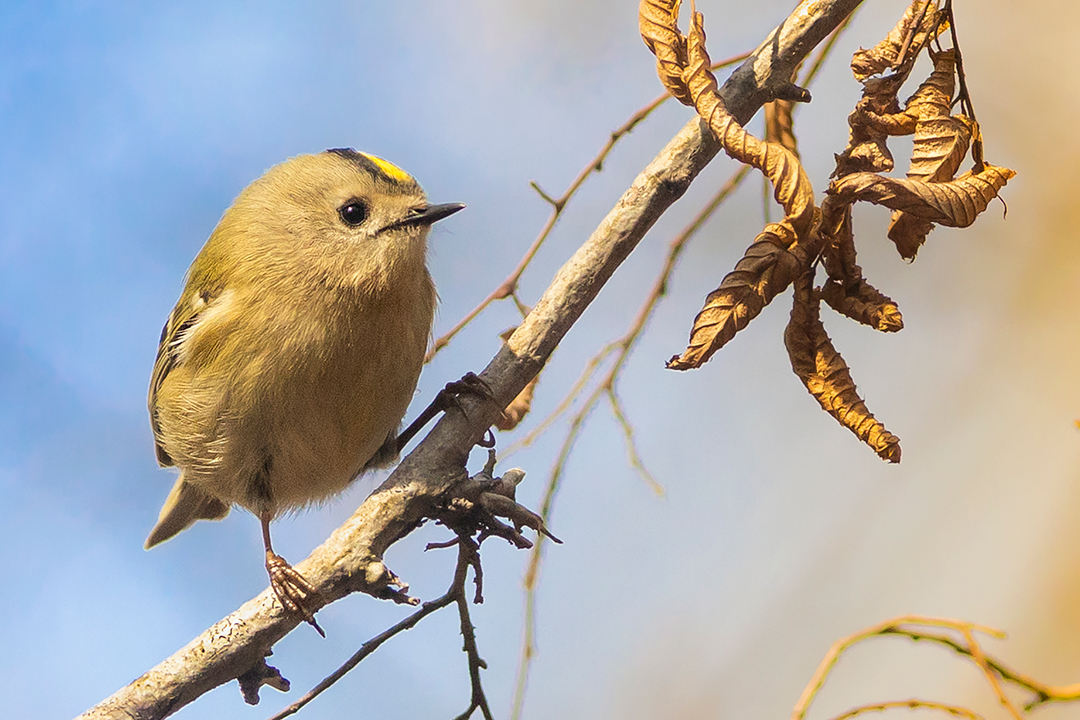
pixel 127 128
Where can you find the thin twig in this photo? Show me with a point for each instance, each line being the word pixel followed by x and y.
pixel 631 445
pixel 1042 693
pixel 366 649
pixel 624 345
pixel 470 557
pixel 607 386
pixel 508 287
pixel 910 35
pixel 838 648
pixel 964 96
pixel 565 404
pixel 980 659
pixel 911 628
pixel 825 50
pixel 532 573
pixel 912 704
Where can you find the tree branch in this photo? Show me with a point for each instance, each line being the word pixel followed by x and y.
pixel 350 560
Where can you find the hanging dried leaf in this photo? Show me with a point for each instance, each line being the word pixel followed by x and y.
pixel 792 188
pixel 779 125
pixel 839 254
pixel 908 233
pixel 863 303
pixel 657 23
pixel 933 98
pixel 826 376
pixel 882 125
pixel 941 143
pixel 911 28
pixel 878 114
pixel 940 147
pixel 954 204
pixel 867 150
pixel 770 264
pixel 519 407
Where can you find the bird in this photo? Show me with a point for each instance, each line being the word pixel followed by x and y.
pixel 288 363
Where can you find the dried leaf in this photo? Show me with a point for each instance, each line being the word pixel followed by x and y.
pixel 954 204
pixel 884 55
pixel 940 147
pixel 657 22
pixel 933 98
pixel 518 408
pixel 908 233
pixel 940 144
pixel 867 150
pixel 779 125
pixel 769 265
pixel 941 141
pixel 839 253
pixel 863 303
pixel 826 375
pixel 878 114
pixel 900 123
pixel 792 188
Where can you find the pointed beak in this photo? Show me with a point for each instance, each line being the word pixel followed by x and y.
pixel 431 214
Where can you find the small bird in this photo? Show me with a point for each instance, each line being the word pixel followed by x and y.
pixel 286 366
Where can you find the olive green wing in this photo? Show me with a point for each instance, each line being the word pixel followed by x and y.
pixel 185 315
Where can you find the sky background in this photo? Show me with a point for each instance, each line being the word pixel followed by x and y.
pixel 127 128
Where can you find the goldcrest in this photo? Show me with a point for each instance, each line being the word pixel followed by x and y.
pixel 286 367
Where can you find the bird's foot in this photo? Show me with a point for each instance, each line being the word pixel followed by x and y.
pixel 447 398
pixel 293 591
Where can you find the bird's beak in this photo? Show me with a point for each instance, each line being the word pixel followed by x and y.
pixel 431 214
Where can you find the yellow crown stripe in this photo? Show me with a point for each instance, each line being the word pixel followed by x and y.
pixel 391 170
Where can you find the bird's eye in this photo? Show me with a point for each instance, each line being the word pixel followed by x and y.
pixel 353 212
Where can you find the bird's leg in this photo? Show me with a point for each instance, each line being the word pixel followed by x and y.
pixel 446 398
pixel 292 589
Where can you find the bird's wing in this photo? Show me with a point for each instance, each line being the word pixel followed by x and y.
pixel 183 317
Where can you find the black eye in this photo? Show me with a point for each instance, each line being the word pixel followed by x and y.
pixel 353 212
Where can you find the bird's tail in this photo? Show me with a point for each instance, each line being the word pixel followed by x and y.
pixel 185 504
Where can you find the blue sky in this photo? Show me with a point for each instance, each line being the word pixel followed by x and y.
pixel 127 128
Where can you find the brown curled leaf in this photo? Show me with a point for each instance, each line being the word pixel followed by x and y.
pixel 792 188
pixel 863 303
pixel 940 147
pixel 518 408
pixel 779 125
pixel 953 204
pixel 839 254
pixel 900 123
pixel 769 265
pixel 941 143
pixel 878 114
pixel 933 98
pixel 657 22
pixel 908 233
pixel 826 375
pixel 885 55
pixel 867 150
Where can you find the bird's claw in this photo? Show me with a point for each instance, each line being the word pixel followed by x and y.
pixel 292 589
